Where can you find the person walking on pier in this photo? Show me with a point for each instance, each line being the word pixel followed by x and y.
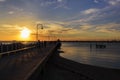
pixel 59 43
pixel 38 44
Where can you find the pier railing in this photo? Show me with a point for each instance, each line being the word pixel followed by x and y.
pixel 7 48
pixel 27 63
pixel 15 51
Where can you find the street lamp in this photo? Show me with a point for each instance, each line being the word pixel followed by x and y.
pixel 37 32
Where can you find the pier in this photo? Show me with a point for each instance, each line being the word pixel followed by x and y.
pixel 42 61
pixel 25 63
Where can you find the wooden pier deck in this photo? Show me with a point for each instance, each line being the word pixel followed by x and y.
pixel 22 64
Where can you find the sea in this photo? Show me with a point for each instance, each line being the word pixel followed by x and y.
pixel 107 56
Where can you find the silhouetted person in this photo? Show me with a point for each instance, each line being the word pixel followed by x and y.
pixel 59 43
pixel 38 44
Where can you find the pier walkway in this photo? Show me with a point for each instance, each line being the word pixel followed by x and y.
pixel 22 64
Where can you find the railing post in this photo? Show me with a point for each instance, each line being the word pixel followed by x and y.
pixel 15 46
pixel 7 49
pixel 12 47
pixel 1 49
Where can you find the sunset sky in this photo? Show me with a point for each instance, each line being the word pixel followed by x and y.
pixel 64 19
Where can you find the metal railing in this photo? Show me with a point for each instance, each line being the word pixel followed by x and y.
pixel 6 49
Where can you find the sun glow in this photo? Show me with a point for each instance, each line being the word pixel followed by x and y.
pixel 25 33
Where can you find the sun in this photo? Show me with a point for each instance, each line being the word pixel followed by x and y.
pixel 25 33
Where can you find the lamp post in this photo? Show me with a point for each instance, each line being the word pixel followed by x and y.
pixel 37 32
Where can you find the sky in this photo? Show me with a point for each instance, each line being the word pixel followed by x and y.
pixel 64 19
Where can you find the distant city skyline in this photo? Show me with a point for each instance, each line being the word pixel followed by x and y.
pixel 64 19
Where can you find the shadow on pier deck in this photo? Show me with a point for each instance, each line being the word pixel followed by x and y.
pixel 26 63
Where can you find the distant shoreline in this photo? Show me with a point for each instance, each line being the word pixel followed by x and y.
pixel 62 41
pixel 90 41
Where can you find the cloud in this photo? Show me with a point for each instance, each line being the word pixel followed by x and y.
pixel 96 16
pixel 108 28
pixel 59 0
pixel 85 16
pixel 96 1
pixel 113 2
pixel 11 27
pixel 47 3
pixel 56 3
pixel 2 0
pixel 85 27
pixel 90 11
pixel 61 4
pixel 88 31
pixel 58 28
pixel 15 8
pixel 11 12
pixel 102 30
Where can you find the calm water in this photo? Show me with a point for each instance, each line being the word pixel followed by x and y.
pixel 82 52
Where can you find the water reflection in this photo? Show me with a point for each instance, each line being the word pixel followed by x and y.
pixel 87 53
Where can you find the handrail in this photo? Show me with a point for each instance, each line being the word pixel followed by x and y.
pixel 13 51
